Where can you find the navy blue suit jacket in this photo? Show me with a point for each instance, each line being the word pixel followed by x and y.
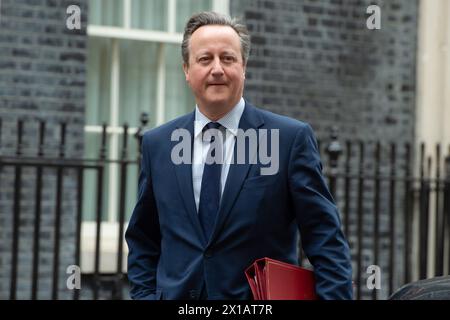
pixel 259 216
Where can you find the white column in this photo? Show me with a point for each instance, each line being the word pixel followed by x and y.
pixel 222 6
pixel 433 97
pixel 114 138
pixel 127 14
pixel 446 115
pixel 172 14
pixel 161 88
pixel 446 81
pixel 433 73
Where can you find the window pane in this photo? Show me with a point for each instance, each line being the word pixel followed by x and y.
pixel 132 190
pixel 90 192
pixel 185 8
pixel 179 99
pixel 151 15
pixel 138 76
pixel 92 144
pixel 132 175
pixel 99 81
pixel 106 12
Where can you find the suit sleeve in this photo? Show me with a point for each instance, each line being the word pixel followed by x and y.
pixel 143 236
pixel 318 219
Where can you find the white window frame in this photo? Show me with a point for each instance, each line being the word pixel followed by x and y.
pixel 109 228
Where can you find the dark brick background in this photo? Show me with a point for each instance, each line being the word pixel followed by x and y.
pixel 317 61
pixel 42 77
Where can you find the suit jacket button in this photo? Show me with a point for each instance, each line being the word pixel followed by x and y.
pixel 193 294
pixel 208 253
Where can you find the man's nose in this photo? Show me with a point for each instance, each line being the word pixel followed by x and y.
pixel 217 69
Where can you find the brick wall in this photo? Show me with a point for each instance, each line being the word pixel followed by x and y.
pixel 42 77
pixel 317 61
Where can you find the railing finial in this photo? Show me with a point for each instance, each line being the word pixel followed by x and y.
pixel 144 118
pixel 334 148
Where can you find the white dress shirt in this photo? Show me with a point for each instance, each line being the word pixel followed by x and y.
pixel 230 122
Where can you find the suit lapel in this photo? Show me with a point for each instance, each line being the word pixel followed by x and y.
pixel 250 119
pixel 184 178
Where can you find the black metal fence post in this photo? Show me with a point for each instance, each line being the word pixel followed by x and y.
pixel 80 182
pixel 347 189
pixel 439 219
pixel 408 214
pixel 37 210
pixel 144 118
pixel 334 149
pixel 360 223
pixel 123 188
pixel 424 215
pixel 59 193
pixel 16 214
pixel 98 218
pixel 447 205
pixel 392 215
pixel 376 225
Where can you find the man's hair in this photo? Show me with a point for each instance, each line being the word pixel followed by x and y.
pixel 213 18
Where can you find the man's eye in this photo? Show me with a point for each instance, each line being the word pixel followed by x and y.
pixel 203 59
pixel 228 59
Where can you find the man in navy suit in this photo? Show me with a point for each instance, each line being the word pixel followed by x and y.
pixel 198 224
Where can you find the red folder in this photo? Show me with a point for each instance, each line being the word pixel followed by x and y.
pixel 275 280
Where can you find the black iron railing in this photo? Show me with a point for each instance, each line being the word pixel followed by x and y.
pixel 407 199
pixel 371 182
pixel 61 164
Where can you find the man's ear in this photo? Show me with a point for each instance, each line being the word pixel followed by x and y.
pixel 186 71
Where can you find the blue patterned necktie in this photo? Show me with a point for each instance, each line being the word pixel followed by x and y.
pixel 210 188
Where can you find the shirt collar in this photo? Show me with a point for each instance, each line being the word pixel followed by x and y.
pixel 230 121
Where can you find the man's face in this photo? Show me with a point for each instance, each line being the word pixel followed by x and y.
pixel 216 70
